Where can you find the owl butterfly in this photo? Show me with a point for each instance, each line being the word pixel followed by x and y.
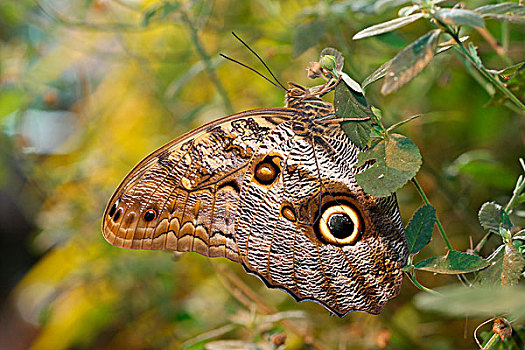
pixel 273 189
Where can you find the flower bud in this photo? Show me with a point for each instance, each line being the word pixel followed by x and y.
pixel 328 62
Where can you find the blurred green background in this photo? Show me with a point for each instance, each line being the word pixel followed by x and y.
pixel 89 87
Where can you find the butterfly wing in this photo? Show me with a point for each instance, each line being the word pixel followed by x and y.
pixel 184 195
pixel 283 233
pixel 274 193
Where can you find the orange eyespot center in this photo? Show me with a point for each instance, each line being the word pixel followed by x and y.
pixel 288 213
pixel 267 171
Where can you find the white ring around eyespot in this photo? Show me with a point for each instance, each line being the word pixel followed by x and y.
pixel 324 230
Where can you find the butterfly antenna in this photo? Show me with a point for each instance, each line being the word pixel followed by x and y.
pixel 253 70
pixel 260 59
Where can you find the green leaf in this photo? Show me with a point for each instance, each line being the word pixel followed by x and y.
pixel 408 10
pixel 507 73
pixel 308 35
pixel 410 62
pixel 381 71
pixel 378 74
pixel 507 11
pixel 475 302
pixel 514 78
pixel 419 230
pixel 506 266
pixel 397 160
pixel 351 83
pixel 453 262
pixel 387 26
pixel 352 104
pixel 492 216
pixel 457 17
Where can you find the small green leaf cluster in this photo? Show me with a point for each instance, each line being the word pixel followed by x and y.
pixel 508 260
pixel 410 61
pixel 419 233
pixel 387 161
pixel 503 268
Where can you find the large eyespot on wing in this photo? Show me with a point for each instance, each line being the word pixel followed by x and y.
pixel 184 196
pixel 340 223
pixel 313 232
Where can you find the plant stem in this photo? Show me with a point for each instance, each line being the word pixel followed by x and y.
pixel 398 124
pixel 412 278
pixel 492 343
pixel 482 242
pixel 207 61
pixel 425 199
pixel 494 44
pixel 518 190
pixel 498 84
pixel 235 285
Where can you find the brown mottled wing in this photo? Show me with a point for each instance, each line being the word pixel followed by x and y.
pixel 278 232
pixel 184 196
pixel 254 187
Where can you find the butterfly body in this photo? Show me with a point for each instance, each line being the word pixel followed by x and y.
pixel 273 189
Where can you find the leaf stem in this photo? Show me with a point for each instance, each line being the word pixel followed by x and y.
pixel 482 242
pixel 493 43
pixel 518 190
pixel 498 84
pixel 425 199
pixel 398 124
pixel 492 343
pixel 412 278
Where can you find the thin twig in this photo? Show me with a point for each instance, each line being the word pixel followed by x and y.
pixel 518 190
pixel 264 308
pixel 247 291
pixel 214 333
pixel 398 124
pixel 465 52
pixel 493 341
pixel 498 84
pixel 207 61
pixel 476 331
pixel 412 278
pixel 494 44
pixel 482 242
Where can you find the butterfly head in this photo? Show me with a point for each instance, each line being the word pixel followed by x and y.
pixel 303 98
pixel 298 93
